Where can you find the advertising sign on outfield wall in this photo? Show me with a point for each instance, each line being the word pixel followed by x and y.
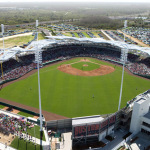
pixel 104 125
pixel 112 120
pixel 93 129
pixel 80 131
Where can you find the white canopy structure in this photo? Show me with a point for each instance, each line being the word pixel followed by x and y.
pixel 11 52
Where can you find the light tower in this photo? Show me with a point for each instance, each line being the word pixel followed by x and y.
pixel 124 55
pixel 125 26
pixel 38 60
pixel 2 29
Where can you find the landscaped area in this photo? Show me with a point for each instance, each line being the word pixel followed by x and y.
pixel 20 144
pixel 19 41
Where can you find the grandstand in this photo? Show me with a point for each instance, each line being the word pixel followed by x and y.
pixel 22 60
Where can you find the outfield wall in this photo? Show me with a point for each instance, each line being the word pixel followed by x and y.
pixel 19 108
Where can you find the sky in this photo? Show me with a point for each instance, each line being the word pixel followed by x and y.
pixel 137 1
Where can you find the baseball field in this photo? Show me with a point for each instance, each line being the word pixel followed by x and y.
pixel 74 95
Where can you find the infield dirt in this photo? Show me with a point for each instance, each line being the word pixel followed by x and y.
pixel 102 70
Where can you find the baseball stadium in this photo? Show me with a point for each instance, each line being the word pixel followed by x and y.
pixel 78 76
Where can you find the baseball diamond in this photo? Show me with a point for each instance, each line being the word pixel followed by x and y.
pixel 72 95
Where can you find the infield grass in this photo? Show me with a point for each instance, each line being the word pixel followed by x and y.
pixel 82 66
pixel 71 95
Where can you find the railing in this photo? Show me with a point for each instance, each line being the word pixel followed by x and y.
pixel 4 146
pixel 119 145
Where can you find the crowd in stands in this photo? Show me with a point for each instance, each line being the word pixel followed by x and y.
pixel 13 125
pixel 140 69
pixel 14 69
pixel 18 72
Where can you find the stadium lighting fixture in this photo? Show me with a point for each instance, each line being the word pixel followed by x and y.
pixel 39 60
pixel 2 29
pixel 124 55
pixel 125 26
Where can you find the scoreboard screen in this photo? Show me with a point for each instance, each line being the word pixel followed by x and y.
pixel 112 120
pixel 80 131
pixel 93 129
pixel 104 125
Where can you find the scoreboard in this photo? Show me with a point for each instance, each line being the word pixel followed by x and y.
pixel 93 129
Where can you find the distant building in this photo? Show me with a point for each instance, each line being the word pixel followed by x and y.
pixel 140 120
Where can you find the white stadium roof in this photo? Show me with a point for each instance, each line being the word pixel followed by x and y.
pixel 11 52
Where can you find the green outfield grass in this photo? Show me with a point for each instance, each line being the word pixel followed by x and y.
pixel 80 66
pixel 71 95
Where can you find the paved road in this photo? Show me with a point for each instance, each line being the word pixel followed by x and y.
pixel 4 147
pixel 118 139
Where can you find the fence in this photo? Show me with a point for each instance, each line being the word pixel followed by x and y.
pixel 119 145
pixel 65 124
pixel 130 137
pixel 19 108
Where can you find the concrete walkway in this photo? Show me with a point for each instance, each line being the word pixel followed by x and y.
pixel 67 145
pixel 118 139
pixel 4 147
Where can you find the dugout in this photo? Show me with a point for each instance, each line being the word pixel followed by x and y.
pixel 91 129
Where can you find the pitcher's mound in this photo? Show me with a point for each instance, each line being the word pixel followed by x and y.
pixel 85 65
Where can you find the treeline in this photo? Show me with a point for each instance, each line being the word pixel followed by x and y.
pixel 19 13
pixel 12 17
pixel 101 22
